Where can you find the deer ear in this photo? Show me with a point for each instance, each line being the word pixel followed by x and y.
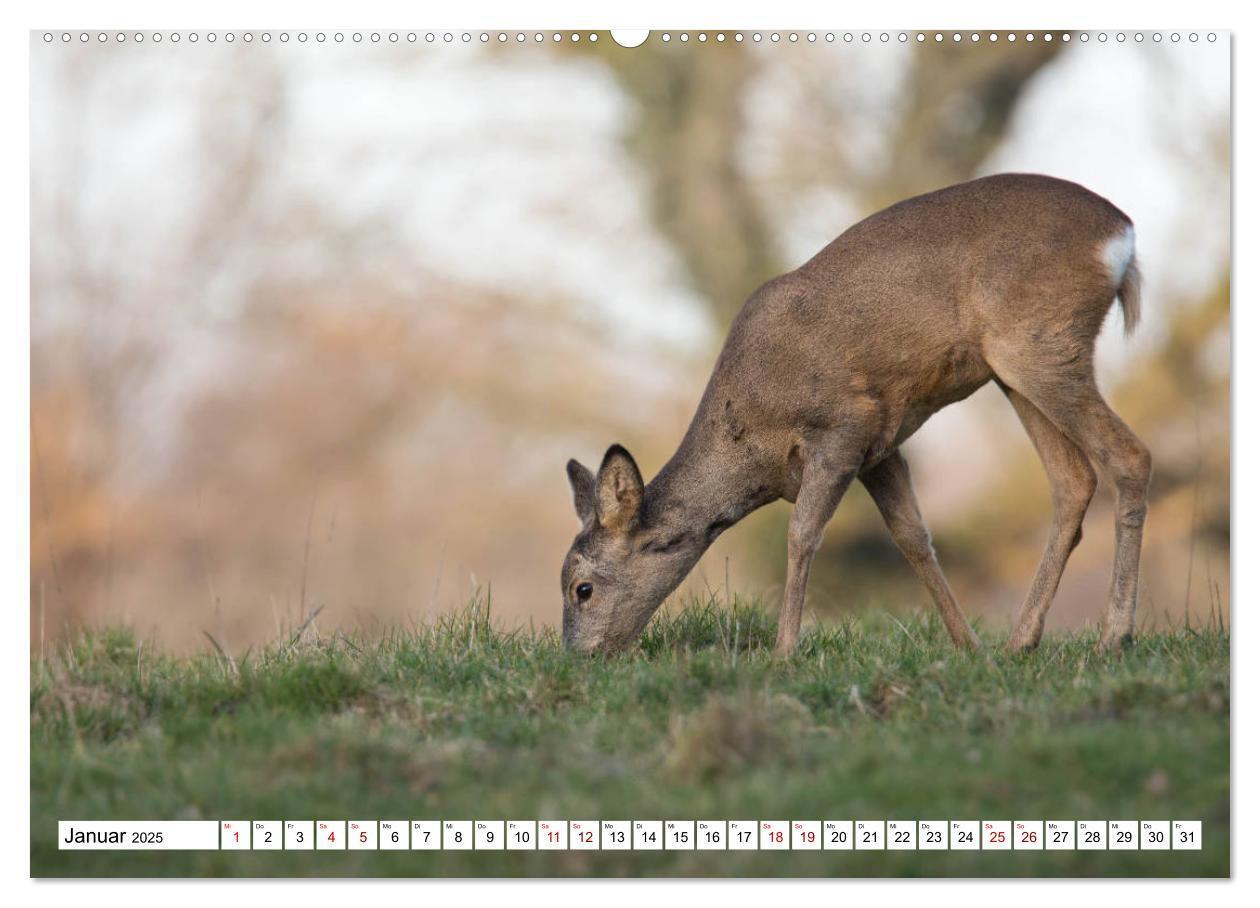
pixel 582 482
pixel 618 489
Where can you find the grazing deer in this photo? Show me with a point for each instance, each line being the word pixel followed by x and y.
pixel 829 368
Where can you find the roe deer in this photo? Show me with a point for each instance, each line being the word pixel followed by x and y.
pixel 829 368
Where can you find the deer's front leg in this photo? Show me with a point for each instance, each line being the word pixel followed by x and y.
pixel 823 483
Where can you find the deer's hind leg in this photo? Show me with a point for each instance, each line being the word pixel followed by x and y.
pixel 1072 484
pixel 1062 387
pixel 890 487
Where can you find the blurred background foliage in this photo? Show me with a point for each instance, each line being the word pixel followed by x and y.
pixel 319 326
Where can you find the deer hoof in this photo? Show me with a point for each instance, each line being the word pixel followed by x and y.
pixel 1024 639
pixel 1112 644
pixel 1021 644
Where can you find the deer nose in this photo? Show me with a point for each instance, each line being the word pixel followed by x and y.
pixel 584 646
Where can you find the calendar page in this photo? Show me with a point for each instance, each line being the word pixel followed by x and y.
pixel 570 452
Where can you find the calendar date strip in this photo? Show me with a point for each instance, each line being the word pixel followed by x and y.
pixel 631 835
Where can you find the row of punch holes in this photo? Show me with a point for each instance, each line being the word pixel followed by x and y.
pixel 664 37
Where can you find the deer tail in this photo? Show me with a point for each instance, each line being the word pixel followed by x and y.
pixel 1130 294
pixel 1119 257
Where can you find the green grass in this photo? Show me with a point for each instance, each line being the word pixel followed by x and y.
pixel 877 718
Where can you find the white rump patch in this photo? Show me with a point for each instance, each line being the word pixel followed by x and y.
pixel 1117 253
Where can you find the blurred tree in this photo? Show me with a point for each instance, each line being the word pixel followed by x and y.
pixel 687 136
pixel 690 125
pixel 958 101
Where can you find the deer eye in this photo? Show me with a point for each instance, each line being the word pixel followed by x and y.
pixel 584 591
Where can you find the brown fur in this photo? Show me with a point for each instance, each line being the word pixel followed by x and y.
pixel 828 369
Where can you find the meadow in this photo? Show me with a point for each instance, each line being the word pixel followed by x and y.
pixel 873 718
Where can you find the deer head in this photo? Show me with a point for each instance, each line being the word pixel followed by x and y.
pixel 622 563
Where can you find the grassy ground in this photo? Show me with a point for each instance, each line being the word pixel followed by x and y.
pixel 873 719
